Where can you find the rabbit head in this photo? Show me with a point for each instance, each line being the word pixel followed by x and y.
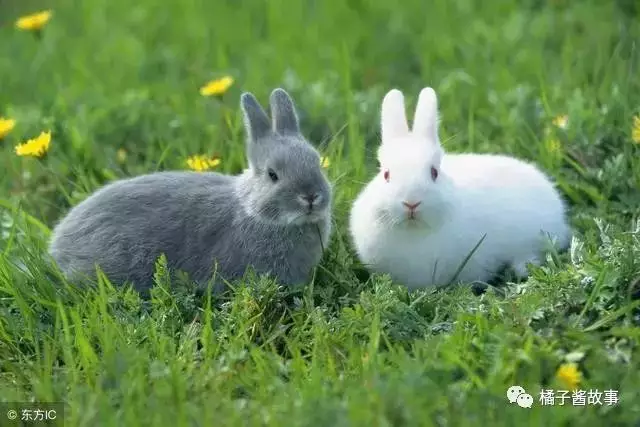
pixel 284 183
pixel 413 190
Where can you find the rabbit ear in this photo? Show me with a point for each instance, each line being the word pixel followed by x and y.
pixel 425 121
pixel 394 118
pixel 256 121
pixel 285 119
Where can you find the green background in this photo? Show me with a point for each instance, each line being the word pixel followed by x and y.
pixel 348 350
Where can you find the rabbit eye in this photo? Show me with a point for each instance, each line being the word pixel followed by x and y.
pixel 434 173
pixel 385 174
pixel 273 175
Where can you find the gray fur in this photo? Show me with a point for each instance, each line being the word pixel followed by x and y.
pixel 198 219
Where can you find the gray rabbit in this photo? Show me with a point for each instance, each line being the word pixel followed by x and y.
pixel 274 217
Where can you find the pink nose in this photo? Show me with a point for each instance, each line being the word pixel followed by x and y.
pixel 411 206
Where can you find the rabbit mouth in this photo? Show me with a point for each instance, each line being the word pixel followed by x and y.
pixel 309 216
pixel 312 215
pixel 392 219
pixel 413 221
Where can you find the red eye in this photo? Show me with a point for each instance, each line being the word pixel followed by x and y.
pixel 434 173
pixel 385 174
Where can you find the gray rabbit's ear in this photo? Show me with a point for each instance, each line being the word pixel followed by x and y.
pixel 285 118
pixel 256 121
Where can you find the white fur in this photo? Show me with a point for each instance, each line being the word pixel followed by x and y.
pixel 510 201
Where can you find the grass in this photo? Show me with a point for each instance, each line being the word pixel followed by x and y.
pixel 348 349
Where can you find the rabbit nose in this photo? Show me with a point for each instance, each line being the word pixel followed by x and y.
pixel 411 206
pixel 309 199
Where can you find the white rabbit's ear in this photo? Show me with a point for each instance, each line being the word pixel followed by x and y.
pixel 256 121
pixel 285 118
pixel 425 121
pixel 394 118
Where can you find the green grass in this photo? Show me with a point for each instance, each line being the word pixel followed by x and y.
pixel 348 349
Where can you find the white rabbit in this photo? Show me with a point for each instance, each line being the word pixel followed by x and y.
pixel 423 214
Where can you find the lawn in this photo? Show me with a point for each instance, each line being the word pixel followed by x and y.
pixel 117 83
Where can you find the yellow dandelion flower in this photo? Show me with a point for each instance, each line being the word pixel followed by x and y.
pixel 121 155
pixel 201 163
pixel 34 22
pixel 569 375
pixel 217 87
pixel 35 147
pixel 561 121
pixel 635 130
pixel 325 162
pixel 6 126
